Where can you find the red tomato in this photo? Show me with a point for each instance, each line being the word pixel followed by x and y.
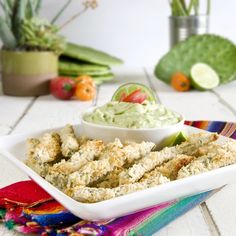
pixel 135 97
pixel 62 87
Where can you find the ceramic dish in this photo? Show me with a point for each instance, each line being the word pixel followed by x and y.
pixel 13 148
pixel 108 133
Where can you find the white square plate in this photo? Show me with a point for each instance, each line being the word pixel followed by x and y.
pixel 13 148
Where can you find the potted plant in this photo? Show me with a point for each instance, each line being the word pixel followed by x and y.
pixel 186 20
pixel 31 46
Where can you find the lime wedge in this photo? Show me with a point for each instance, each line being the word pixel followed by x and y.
pixel 175 139
pixel 128 88
pixel 179 138
pixel 203 77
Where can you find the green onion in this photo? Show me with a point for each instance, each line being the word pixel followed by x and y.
pixel 181 8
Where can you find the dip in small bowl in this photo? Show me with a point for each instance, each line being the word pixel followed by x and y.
pixel 131 122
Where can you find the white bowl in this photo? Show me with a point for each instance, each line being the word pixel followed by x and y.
pixel 109 133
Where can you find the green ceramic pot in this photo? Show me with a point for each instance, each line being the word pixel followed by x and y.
pixel 27 73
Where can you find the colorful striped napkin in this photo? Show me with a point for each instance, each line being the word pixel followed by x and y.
pixel 36 212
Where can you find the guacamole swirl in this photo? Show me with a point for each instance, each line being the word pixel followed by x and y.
pixel 133 115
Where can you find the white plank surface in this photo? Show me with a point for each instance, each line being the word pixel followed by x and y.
pixel 223 205
pixel 191 224
pixel 47 112
pixel 227 93
pixel 217 105
pixel 11 109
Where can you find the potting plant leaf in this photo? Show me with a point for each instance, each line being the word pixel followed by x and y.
pixel 39 33
pixel 216 51
pixel 6 35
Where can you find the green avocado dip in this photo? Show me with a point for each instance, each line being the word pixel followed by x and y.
pixel 133 115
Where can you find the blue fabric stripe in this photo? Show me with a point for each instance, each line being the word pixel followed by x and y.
pixel 168 215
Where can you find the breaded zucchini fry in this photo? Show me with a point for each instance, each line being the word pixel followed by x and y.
pixel 89 173
pixel 220 156
pixel 88 194
pixel 31 145
pixel 58 174
pixel 134 151
pixel 229 146
pixel 43 152
pixel 69 141
pixel 48 148
pixel 111 180
pixel 154 159
pixel 111 149
pixel 39 167
pixel 172 167
pixel 118 157
pixel 88 152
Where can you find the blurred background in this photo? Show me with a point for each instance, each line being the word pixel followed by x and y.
pixel 134 30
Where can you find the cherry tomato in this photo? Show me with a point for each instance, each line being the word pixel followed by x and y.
pixel 85 91
pixel 180 82
pixel 85 79
pixel 135 97
pixel 62 87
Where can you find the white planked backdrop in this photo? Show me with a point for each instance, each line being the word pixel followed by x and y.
pixel 215 217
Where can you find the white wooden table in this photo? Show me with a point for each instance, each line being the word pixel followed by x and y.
pixel 217 216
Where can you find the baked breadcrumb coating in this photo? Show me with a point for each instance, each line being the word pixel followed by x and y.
pixel 91 195
pixel 92 171
pixel 59 173
pixel 69 141
pixel 111 180
pixel 154 159
pixel 217 156
pixel 172 167
pixel 45 149
pixel 43 152
pixel 115 157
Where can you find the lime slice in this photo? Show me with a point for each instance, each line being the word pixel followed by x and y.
pixel 204 77
pixel 175 139
pixel 128 88
pixel 179 138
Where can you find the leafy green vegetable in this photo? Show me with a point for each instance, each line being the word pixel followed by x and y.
pixel 78 68
pixel 187 8
pixel 216 51
pixel 91 73
pixel 90 55
pixel 98 79
pixel 103 78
